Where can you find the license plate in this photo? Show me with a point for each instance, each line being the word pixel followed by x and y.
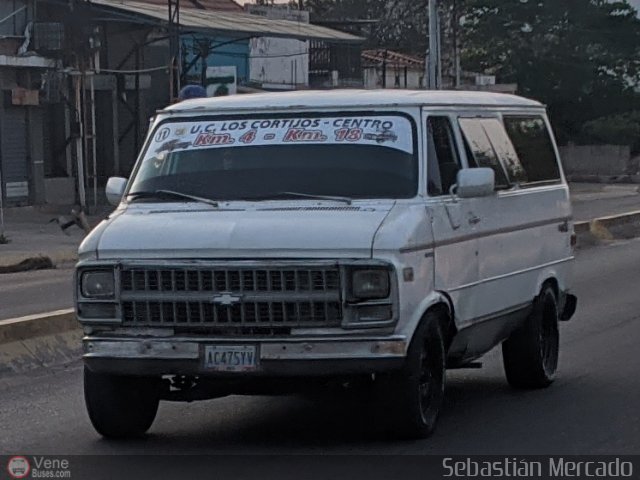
pixel 230 358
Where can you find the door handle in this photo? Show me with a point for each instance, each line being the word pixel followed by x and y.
pixel 474 219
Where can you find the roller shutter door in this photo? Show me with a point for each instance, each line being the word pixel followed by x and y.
pixel 14 154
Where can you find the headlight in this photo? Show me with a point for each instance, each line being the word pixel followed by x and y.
pixel 369 284
pixel 97 284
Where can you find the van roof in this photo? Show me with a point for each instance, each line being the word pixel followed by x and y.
pixel 304 99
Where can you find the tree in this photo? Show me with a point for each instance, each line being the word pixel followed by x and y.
pixel 621 129
pixel 580 57
pixel 400 24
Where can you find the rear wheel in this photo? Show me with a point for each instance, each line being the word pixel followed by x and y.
pixel 530 354
pixel 120 406
pixel 414 395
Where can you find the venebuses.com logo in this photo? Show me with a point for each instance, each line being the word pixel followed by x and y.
pixel 18 467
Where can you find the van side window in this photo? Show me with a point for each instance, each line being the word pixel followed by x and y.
pixel 504 150
pixel 443 161
pixel 531 139
pixel 482 151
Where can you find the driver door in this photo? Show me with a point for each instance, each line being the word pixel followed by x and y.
pixel 454 221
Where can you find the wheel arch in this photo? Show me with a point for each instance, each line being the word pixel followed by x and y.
pixel 555 277
pixel 551 281
pixel 438 303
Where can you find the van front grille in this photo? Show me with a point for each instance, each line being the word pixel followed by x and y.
pixel 231 297
pixel 235 280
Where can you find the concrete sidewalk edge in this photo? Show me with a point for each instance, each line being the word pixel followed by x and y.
pixel 23 328
pixel 599 227
pixel 40 340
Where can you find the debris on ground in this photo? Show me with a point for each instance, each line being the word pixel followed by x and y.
pixel 33 263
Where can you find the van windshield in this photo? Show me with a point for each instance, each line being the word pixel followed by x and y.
pixel 371 156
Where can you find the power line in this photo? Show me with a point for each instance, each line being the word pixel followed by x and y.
pixel 143 70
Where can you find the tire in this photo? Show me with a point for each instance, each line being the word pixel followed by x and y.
pixel 414 395
pixel 121 407
pixel 530 354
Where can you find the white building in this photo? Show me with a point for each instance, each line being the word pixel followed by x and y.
pixel 384 68
pixel 279 63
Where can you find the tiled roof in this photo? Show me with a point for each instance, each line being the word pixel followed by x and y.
pixel 376 57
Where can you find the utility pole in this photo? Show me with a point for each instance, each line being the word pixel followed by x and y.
pixel 433 64
pixel 1 209
pixel 174 48
pixel 456 48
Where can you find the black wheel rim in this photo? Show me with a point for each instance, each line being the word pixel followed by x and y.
pixel 549 337
pixel 430 383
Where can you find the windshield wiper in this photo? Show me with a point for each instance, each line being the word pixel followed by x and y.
pixel 346 200
pixel 165 194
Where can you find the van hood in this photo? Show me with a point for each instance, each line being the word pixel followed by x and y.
pixel 276 232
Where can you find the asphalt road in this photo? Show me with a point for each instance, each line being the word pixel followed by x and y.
pixel 38 291
pixel 592 408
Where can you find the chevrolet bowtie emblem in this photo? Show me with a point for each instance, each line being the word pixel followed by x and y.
pixel 226 299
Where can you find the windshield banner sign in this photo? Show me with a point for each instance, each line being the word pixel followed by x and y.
pixel 385 131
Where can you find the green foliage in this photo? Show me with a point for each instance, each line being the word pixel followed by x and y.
pixel 400 24
pixel 580 57
pixel 623 129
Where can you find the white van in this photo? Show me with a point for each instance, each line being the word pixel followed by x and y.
pixel 272 242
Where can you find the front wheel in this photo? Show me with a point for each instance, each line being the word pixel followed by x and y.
pixel 530 354
pixel 119 406
pixel 414 395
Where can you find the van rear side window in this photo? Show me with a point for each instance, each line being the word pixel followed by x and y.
pixel 480 151
pixel 533 145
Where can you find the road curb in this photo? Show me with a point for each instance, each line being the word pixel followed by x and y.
pixel 29 326
pixel 600 227
pixel 41 340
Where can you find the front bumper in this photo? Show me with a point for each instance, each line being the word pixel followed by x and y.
pixel 314 356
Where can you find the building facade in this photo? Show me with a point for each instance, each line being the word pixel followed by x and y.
pixel 81 80
pixel 24 128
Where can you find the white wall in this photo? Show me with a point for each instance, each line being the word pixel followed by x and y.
pixel 275 61
pixel 373 78
pixel 279 62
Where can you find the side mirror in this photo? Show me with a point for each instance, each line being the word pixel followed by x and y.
pixel 475 182
pixel 115 189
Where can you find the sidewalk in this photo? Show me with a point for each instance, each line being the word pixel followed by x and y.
pixel 32 234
